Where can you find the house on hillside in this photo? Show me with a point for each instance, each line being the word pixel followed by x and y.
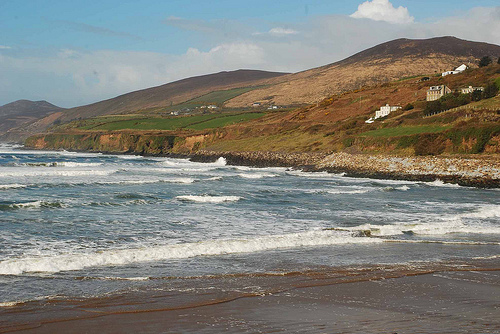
pixel 272 107
pixel 212 106
pixel 458 70
pixel 256 104
pixel 436 92
pixel 384 111
pixel 470 89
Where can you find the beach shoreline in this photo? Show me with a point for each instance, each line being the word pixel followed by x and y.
pixel 375 299
pixel 470 172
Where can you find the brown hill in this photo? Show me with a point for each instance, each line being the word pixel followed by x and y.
pixel 382 63
pixel 24 111
pixel 171 93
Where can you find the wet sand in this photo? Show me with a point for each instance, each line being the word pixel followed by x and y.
pixel 465 299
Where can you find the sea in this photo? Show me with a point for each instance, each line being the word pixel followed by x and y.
pixel 86 226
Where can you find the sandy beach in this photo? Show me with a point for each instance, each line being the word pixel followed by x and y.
pixel 457 298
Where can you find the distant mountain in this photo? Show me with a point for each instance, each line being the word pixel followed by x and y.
pixel 382 63
pixel 24 111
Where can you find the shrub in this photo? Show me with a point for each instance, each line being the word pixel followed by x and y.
pixel 348 142
pixel 485 61
pixel 409 106
pixel 491 90
pixel 433 107
pixel 429 145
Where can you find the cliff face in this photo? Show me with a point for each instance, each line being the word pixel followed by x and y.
pixel 145 144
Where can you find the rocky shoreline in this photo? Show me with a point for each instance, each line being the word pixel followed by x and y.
pixel 472 172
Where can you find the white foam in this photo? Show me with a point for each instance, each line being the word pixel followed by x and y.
pixel 185 180
pixel 485 211
pixel 457 223
pixel 10 304
pixel 77 164
pixel 208 199
pixel 347 192
pixel 220 162
pixel 12 186
pixel 64 262
pixel 439 183
pixel 215 178
pixel 54 172
pixel 36 204
pixel 130 182
pixel 256 176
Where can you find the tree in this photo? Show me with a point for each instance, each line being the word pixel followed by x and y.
pixel 491 90
pixel 485 61
pixel 476 95
pixel 498 62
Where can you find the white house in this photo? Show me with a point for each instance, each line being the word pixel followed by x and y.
pixel 212 106
pixel 458 70
pixel 272 107
pixel 256 104
pixel 470 89
pixel 384 111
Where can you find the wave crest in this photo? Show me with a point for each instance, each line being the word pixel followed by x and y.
pixel 65 262
pixel 208 199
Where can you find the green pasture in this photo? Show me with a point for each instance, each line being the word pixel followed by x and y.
pixel 197 122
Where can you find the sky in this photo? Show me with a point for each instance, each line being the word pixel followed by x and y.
pixel 72 53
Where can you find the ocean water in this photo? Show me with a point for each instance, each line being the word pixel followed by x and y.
pixel 81 225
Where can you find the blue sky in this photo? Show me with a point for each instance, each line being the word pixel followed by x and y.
pixel 76 52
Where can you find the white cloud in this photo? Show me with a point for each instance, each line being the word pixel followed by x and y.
pixel 5 47
pixel 282 31
pixel 383 10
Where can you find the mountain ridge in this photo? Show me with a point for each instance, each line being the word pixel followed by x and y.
pixel 21 112
pixel 382 63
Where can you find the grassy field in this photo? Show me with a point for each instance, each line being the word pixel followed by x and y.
pixel 215 98
pixel 198 122
pixel 224 120
pixel 405 131
pixel 221 96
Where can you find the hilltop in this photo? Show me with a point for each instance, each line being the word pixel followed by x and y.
pixel 172 93
pixel 383 63
pixel 22 112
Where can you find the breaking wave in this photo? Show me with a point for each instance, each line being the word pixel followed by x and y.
pixel 12 186
pixel 31 205
pixel 64 262
pixel 255 176
pixel 55 172
pixel 208 199
pixel 461 223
